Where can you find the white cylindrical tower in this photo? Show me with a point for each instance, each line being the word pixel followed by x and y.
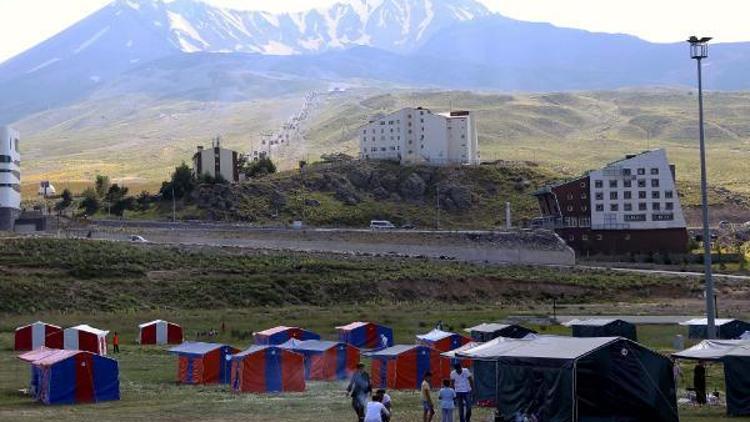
pixel 10 178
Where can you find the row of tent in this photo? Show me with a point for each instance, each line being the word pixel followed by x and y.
pixel 86 338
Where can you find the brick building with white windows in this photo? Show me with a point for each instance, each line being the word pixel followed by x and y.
pixel 629 206
pixel 417 136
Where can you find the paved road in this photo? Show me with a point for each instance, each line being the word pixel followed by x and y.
pixel 666 273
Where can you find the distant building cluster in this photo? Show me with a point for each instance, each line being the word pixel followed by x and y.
pixel 217 161
pixel 418 136
pixel 10 178
pixel 629 206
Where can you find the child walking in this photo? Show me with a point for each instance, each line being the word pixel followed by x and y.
pixel 447 397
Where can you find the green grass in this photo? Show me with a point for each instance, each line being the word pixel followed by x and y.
pixel 148 373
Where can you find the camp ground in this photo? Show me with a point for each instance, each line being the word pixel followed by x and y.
pixel 603 327
pixel 72 376
pixel 281 334
pixel 267 369
pixel 366 335
pixel 560 378
pixel 325 360
pixel 735 357
pixel 442 341
pixel 203 363
pixel 87 338
pixel 403 366
pixel 488 331
pixel 38 335
pixel 159 332
pixel 726 328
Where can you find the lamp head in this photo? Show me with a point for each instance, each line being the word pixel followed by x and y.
pixel 698 47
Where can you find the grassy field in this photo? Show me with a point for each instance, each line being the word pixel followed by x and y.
pixel 148 373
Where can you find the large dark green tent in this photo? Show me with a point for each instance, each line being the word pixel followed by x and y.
pixel 735 355
pixel 490 331
pixel 600 327
pixel 726 328
pixel 568 379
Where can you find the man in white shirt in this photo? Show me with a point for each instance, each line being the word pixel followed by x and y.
pixel 463 384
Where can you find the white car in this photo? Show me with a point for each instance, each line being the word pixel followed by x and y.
pixel 381 225
pixel 138 239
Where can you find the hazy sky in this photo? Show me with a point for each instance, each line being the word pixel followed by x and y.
pixel 27 22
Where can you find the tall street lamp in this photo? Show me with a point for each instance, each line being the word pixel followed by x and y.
pixel 699 51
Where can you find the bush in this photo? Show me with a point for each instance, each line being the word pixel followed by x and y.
pixel 90 203
pixel 182 183
pixel 260 167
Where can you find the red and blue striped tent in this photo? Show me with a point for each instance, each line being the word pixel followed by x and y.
pixel 402 367
pixel 281 334
pixel 267 369
pixel 442 341
pixel 72 376
pixel 325 360
pixel 366 335
pixel 38 335
pixel 203 363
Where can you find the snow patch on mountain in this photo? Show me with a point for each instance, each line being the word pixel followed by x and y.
pixel 86 44
pixel 43 65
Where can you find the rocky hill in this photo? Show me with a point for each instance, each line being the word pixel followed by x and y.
pixel 351 193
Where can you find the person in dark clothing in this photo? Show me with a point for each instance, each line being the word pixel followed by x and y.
pixel 699 383
pixel 359 390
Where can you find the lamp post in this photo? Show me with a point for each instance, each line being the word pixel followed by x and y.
pixel 699 51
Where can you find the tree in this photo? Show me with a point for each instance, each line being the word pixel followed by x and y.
pixel 116 193
pixel 143 200
pixel 90 203
pixel 66 201
pixel 182 183
pixel 101 185
pixel 260 167
pixel 123 204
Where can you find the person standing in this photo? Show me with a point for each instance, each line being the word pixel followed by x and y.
pixel 447 397
pixel 386 402
pixel 699 383
pixel 676 373
pixel 463 384
pixel 359 389
pixel 428 408
pixel 116 343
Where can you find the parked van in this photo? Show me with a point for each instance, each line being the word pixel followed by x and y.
pixel 381 225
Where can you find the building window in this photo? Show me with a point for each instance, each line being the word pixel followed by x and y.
pixel 599 196
pixel 599 237
pixel 598 184
pixel 382 122
pixel 571 238
pixel 642 183
pixel 613 184
pixel 583 195
pixel 627 207
pixel 584 208
pixel 626 172
pixel 656 206
pixel 642 206
pixel 641 171
pixel 584 221
pixel 628 194
pixel 642 194
pixel 668 194
pixel 570 208
pixel 614 207
pixel 627 236
pixel 654 171
pixel 570 197
pixel 582 184
pixel 654 183
pixel 613 195
pixel 669 206
pixel 662 217
pixel 635 217
pixel 627 183
pixel 655 194
pixel 600 207
pixel 584 237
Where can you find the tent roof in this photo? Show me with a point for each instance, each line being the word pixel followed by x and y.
pixel 593 322
pixel 275 330
pixel 255 348
pixel 309 345
pixel 393 350
pixel 36 323
pixel 196 348
pixel 711 349
pixel 156 321
pixel 89 329
pixel 468 346
pixel 704 321
pixel 435 335
pixel 743 350
pixel 353 325
pixel 487 327
pixel 46 357
pixel 545 347
pixel 745 335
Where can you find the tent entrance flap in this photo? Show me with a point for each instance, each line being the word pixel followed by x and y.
pixel 526 388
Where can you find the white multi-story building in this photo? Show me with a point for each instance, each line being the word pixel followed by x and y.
pixel 418 136
pixel 217 161
pixel 10 178
pixel 635 193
